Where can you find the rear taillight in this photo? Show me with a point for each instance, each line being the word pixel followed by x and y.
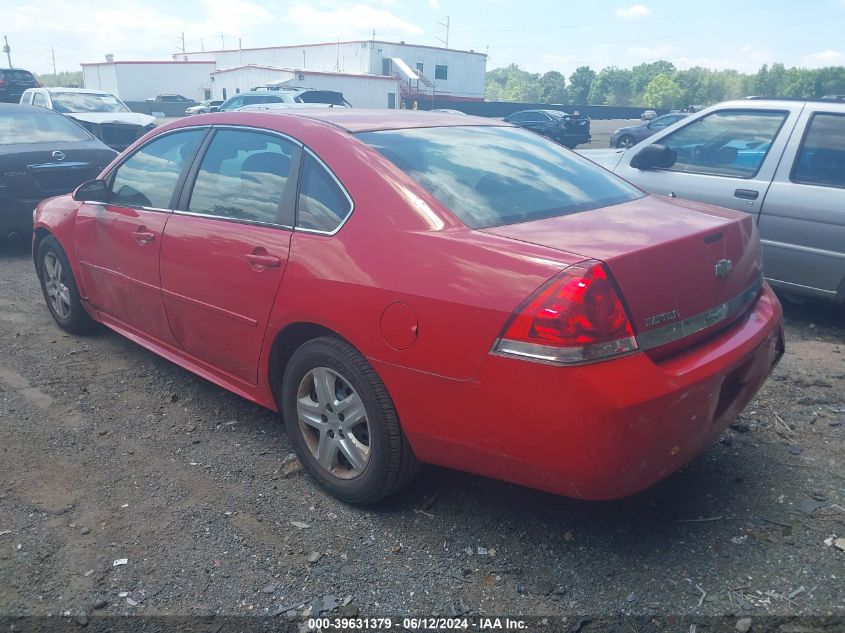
pixel 575 318
pixel 3 83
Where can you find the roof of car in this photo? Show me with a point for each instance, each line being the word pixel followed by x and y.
pixel 361 120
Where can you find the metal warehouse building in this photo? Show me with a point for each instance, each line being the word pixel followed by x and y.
pixel 137 81
pixel 370 73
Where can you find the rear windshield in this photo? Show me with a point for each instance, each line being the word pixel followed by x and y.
pixel 321 96
pixel 16 74
pixel 37 125
pixel 86 102
pixel 490 176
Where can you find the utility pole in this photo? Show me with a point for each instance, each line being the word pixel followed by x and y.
pixel 181 41
pixel 8 50
pixel 446 26
pixel 53 57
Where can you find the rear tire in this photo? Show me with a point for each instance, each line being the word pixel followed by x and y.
pixel 60 290
pixel 343 425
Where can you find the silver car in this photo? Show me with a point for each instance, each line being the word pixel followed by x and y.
pixel 781 161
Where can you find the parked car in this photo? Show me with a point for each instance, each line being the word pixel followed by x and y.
pixel 648 115
pixel 407 289
pixel 101 113
pixel 170 98
pixel 306 95
pixel 13 81
pixel 248 98
pixel 629 136
pixel 203 107
pixel 42 154
pixel 559 126
pixel 782 162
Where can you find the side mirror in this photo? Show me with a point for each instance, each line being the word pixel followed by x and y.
pixel 92 191
pixel 654 157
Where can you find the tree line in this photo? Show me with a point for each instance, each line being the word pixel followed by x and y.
pixel 660 85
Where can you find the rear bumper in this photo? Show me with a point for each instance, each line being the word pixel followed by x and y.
pixel 598 431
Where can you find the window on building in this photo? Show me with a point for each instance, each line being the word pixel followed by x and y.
pixel 323 205
pixel 224 94
pixel 386 67
pixel 237 91
pixel 441 71
pixel 420 67
pixel 821 159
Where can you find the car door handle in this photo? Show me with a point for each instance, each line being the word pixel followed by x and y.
pixel 142 236
pixel 263 261
pixel 746 194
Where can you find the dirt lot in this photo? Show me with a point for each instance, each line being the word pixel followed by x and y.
pixel 108 452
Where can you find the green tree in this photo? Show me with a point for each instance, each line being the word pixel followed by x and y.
pixel 63 79
pixel 512 84
pixel 580 83
pixel 662 92
pixel 642 74
pixel 612 86
pixel 552 87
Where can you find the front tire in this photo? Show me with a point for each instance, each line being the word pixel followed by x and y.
pixel 342 423
pixel 625 142
pixel 60 290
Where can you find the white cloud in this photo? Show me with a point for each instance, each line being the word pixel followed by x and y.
pixel 349 22
pixel 435 4
pixel 655 52
pixel 825 58
pixel 634 12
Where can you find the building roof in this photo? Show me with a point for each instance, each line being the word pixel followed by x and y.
pixel 300 71
pixel 170 62
pixel 265 48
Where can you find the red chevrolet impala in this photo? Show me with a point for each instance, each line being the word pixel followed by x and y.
pixel 410 287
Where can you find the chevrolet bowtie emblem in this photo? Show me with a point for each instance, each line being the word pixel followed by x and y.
pixel 724 268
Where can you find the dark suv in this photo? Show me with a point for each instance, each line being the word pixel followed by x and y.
pixel 567 129
pixel 13 81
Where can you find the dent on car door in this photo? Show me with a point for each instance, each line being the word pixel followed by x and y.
pixel 802 223
pixel 726 157
pixel 118 241
pixel 226 248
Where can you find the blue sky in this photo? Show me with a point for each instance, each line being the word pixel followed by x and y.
pixel 539 35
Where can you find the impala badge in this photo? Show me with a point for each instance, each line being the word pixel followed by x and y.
pixel 724 268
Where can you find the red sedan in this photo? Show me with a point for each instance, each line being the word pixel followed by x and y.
pixel 410 287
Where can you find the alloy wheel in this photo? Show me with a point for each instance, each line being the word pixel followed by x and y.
pixel 54 280
pixel 333 422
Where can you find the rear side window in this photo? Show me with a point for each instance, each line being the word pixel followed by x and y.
pixel 38 99
pixel 821 159
pixel 731 143
pixel 39 125
pixel 252 99
pixel 322 205
pixel 490 176
pixel 148 177
pixel 243 176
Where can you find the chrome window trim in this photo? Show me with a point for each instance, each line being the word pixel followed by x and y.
pixel 339 184
pixel 225 218
pixel 729 310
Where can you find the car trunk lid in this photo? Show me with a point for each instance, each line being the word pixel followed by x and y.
pixel 685 269
pixel 49 169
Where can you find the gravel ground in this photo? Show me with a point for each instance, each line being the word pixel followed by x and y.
pixel 108 452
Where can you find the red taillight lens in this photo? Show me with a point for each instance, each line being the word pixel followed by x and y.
pixel 577 317
pixel 2 83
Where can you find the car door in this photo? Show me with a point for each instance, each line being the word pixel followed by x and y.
pixel 118 242
pixel 802 223
pixel 726 157
pixel 225 249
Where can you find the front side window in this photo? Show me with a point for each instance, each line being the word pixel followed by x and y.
pixel 821 159
pixel 730 143
pixel 322 205
pixel 490 176
pixel 243 176
pixel 39 126
pixel 148 177
pixel 441 71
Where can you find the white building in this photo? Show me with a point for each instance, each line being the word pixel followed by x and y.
pixel 139 80
pixel 362 91
pixel 447 73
